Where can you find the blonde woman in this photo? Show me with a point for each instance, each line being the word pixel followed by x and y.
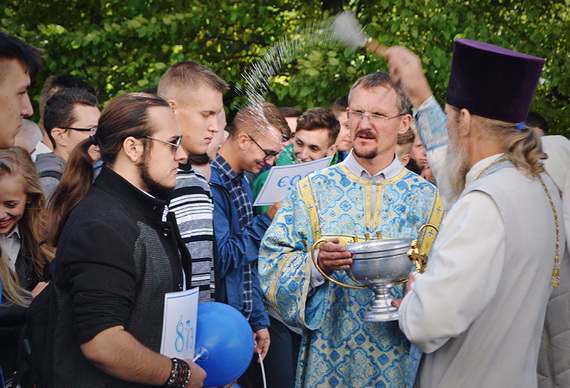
pixel 23 251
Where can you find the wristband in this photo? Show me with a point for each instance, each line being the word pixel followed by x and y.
pixel 180 374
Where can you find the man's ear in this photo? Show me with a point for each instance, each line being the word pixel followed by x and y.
pixel 332 149
pixel 173 105
pixel 133 148
pixel 465 121
pixel 58 136
pixel 242 140
pixel 405 159
pixel 405 124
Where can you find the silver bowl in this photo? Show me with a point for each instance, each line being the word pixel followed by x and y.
pixel 378 264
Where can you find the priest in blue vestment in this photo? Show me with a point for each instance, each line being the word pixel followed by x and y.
pixel 372 194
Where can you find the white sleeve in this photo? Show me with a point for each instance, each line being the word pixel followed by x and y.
pixel 462 275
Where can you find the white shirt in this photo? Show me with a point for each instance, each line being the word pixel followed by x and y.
pixel 389 172
pixel 41 148
pixel 11 244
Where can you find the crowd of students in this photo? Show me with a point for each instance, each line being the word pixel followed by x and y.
pixel 155 194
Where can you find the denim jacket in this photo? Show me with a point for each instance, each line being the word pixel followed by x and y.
pixel 237 248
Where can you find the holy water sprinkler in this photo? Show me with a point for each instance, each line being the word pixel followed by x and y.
pixel 348 30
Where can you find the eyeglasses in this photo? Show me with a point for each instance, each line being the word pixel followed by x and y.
pixel 268 155
pixel 94 129
pixel 174 145
pixel 358 115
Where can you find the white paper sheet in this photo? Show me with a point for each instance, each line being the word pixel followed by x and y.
pixel 281 178
pixel 179 324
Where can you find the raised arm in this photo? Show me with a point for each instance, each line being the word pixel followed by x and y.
pixel 431 121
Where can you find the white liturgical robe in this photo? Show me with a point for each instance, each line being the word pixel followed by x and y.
pixel 478 310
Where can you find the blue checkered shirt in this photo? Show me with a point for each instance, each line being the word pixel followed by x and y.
pixel 242 203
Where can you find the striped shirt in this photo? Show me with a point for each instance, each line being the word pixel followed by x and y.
pixel 192 203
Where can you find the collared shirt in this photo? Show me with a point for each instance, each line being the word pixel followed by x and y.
pixel 11 244
pixel 389 172
pixel 244 208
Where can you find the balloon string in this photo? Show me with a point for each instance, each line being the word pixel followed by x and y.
pixel 262 370
pixel 202 352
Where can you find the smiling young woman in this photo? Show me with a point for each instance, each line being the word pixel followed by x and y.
pixel 24 253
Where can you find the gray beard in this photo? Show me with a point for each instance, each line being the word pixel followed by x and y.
pixel 456 163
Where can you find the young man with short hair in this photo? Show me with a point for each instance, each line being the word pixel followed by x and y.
pixel 315 138
pixel 70 116
pixel 195 94
pixel 51 86
pixel 256 138
pixel 291 116
pixel 19 64
pixel 404 146
pixel 343 139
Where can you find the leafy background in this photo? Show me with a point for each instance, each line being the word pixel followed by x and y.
pixel 121 46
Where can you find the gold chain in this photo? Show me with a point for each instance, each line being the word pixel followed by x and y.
pixel 555 279
pixel 491 165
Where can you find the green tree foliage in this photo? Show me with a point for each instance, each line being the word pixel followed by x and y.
pixel 121 46
pixel 428 27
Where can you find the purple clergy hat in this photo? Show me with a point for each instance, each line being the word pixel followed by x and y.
pixel 491 81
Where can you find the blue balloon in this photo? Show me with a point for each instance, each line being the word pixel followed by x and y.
pixel 226 340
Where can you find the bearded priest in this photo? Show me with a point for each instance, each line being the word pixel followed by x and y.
pixel 477 311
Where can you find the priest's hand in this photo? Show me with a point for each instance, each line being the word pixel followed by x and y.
pixel 406 69
pixel 333 256
pixel 397 302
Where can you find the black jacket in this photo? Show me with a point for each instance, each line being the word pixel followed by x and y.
pixel 115 260
pixel 12 317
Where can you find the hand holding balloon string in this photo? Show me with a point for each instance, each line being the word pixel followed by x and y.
pixel 261 341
